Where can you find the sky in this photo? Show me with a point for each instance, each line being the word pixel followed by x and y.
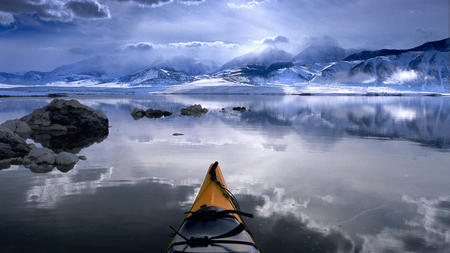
pixel 44 34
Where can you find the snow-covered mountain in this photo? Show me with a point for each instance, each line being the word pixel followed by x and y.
pixel 423 67
pixel 439 45
pixel 155 76
pixel 418 68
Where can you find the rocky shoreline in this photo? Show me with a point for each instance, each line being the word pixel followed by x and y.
pixel 62 129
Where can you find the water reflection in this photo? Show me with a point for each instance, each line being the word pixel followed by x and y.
pixel 323 174
pixel 72 143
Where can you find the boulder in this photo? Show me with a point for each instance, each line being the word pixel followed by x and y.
pixel 67 125
pixel 65 158
pixel 11 144
pixel 18 127
pixel 193 110
pixel 68 116
pixel 39 155
pixel 66 161
pixel 151 113
pixel 239 109
pixel 137 113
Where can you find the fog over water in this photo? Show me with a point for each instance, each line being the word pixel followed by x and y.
pixel 322 174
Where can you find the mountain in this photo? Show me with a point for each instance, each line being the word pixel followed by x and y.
pixel 422 67
pixel 187 65
pixel 414 68
pixel 264 58
pixel 440 45
pixel 320 54
pixel 156 76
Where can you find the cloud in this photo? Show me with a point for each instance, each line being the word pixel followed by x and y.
pixel 191 2
pixel 88 9
pixel 6 18
pixel 245 4
pixel 274 40
pixel 159 3
pixel 58 10
pixel 199 44
pixel 140 46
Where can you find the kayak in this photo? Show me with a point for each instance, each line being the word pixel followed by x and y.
pixel 214 223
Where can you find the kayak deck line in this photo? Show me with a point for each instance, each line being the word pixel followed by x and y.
pixel 214 222
pixel 214 192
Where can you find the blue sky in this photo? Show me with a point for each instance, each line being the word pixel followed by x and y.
pixel 44 34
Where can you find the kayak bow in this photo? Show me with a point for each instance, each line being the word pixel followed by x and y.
pixel 214 222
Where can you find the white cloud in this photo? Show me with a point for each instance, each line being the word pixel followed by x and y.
pixel 198 44
pixel 139 46
pixel 245 4
pixel 6 18
pixel 279 39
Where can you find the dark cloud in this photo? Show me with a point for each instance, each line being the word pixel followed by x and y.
pixel 88 9
pixel 59 10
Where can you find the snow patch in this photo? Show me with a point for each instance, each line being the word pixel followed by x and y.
pixel 402 76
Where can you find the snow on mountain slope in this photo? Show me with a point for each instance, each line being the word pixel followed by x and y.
pixel 416 69
pixel 155 76
pixel 439 45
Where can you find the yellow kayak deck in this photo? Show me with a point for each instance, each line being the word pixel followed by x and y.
pixel 214 192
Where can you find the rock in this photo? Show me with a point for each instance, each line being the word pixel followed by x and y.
pixel 66 161
pixel 40 155
pixel 43 160
pixel 6 163
pixel 177 134
pixel 65 158
pixel 62 125
pixel 11 144
pixel 151 113
pixel 239 109
pixel 82 157
pixel 40 168
pixel 18 127
pixel 193 110
pixel 68 115
pixel 67 125
pixel 137 113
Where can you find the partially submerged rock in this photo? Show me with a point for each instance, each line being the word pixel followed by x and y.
pixel 63 125
pixel 239 109
pixel 67 125
pixel 68 116
pixel 44 160
pixel 137 113
pixel 151 113
pixel 193 110
pixel 177 134
pixel 11 144
pixel 18 127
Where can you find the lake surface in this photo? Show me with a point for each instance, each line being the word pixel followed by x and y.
pixel 320 173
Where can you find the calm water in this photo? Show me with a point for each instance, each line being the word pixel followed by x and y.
pixel 321 174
